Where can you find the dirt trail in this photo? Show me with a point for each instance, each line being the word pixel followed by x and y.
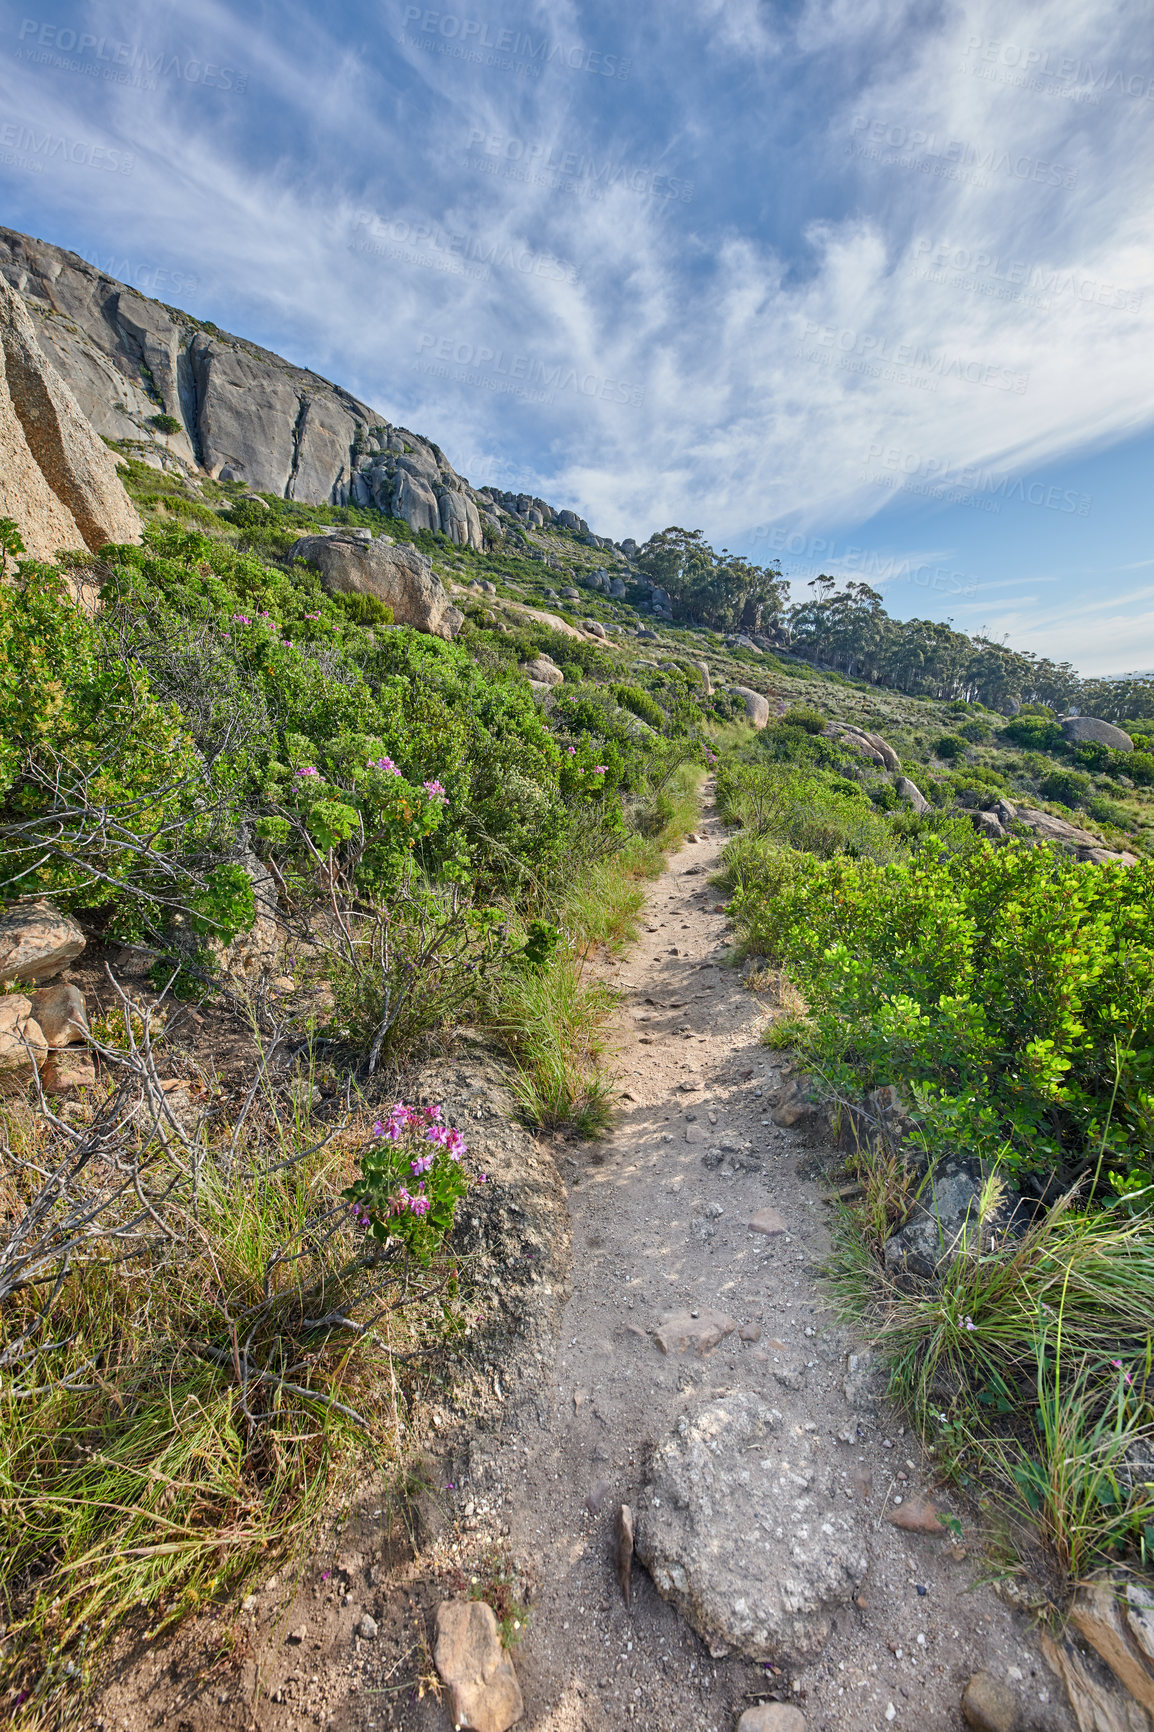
pixel 654 1229
pixel 659 1217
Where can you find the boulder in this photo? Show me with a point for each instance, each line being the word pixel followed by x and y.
pixel 756 706
pixel 743 1532
pixel 36 941
pixel 911 792
pixel 542 671
pixel 483 1689
pixel 76 464
pixel 945 1222
pixel 23 1048
pixel 594 627
pixel 703 670
pixel 617 589
pixel 61 1013
pixel 400 576
pixel 45 524
pixel 1083 729
pixel 988 824
pixel 63 1072
pixel 1069 838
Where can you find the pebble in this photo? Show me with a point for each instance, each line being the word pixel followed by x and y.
pixel 988 1705
pixel 298 1635
pixel 769 1222
pixel 367 1628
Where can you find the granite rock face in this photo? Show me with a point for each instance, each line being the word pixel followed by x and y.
pixel 1081 729
pixel 401 577
pixel 739 1528
pixel 58 480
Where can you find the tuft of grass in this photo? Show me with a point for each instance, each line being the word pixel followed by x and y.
pixel 553 1022
pixel 1029 1366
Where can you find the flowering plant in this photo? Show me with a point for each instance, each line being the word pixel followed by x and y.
pixel 411 1179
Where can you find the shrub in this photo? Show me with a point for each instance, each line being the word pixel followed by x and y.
pixel 367 610
pixel 977 731
pixel 1139 766
pixel 1037 732
pixel 949 747
pixel 640 704
pixel 165 423
pixel 1068 787
pixel 802 716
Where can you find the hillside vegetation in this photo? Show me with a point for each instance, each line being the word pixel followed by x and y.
pixel 212 1328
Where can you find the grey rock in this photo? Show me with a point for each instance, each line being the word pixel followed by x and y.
pixel 367 1628
pixel 60 1011
pixel 680 1331
pixel 415 501
pixel 460 520
pixel 735 1530
pixel 543 672
pixel 772 1717
pixel 945 1222
pixel 617 589
pixel 989 824
pixel 911 792
pixel 790 1376
pixel 399 576
pixel 1081 729
pixel 756 706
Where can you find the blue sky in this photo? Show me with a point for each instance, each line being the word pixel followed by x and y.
pixel 867 287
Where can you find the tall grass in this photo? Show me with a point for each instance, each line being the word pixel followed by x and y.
pixel 197 1363
pixel 1029 1366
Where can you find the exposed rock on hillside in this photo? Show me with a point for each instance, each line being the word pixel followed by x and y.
pixel 1081 729
pixel 399 576
pixel 242 413
pixel 57 479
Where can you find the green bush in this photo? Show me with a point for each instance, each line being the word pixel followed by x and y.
pixel 1008 991
pixel 367 610
pixel 1069 787
pixel 803 716
pixel 949 747
pixel 1139 766
pixel 165 423
pixel 1037 732
pixel 640 704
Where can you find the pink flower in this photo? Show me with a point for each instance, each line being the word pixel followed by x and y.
pixel 385 764
pixel 309 770
pixel 421 1164
pixel 572 750
pixel 435 792
pixel 600 769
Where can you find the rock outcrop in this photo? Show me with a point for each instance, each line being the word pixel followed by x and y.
pixel 401 577
pixel 58 480
pixel 756 706
pixel 738 1527
pixel 135 367
pixel 911 792
pixel 1085 729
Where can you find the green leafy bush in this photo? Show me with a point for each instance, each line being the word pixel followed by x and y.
pixel 949 747
pixel 803 716
pixel 1069 787
pixel 1009 990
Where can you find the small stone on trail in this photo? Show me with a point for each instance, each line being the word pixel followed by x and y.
pixel 595 1501
pixel 688 1086
pixel 678 1331
pixel 917 1515
pixel 578 1397
pixel 298 1635
pixel 483 1688
pixel 693 837
pixel 626 1096
pixel 790 1376
pixel 249 1603
pixel 367 1628
pixel 769 1222
pixel 988 1705
pixel 625 1551
pixel 772 1717
pixel 750 1332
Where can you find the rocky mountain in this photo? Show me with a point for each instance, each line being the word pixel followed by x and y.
pixel 181 394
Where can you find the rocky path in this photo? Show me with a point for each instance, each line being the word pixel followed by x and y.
pixel 698 1233
pixel 661 1224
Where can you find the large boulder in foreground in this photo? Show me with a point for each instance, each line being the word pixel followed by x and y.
pixel 756 706
pixel 1082 729
pixel 740 1528
pixel 76 465
pixel 402 577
